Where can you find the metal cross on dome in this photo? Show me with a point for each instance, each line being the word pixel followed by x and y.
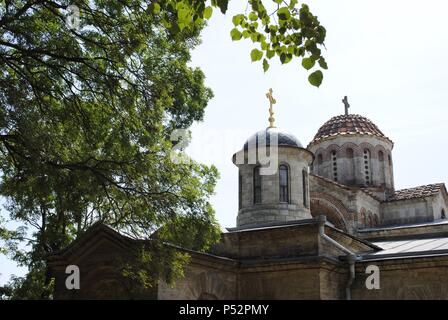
pixel 346 105
pixel 272 101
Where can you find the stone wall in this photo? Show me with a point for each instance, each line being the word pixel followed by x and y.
pixel 271 209
pixel 358 209
pixel 342 159
pixel 401 279
pixel 205 278
pixel 408 211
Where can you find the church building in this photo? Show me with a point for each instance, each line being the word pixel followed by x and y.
pixel 322 221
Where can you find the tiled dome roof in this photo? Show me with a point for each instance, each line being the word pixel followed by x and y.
pixel 348 124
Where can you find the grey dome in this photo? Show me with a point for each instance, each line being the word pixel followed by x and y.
pixel 285 139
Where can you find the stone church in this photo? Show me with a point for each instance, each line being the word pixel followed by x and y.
pixel 319 226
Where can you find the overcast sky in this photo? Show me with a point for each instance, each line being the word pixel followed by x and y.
pixel 389 57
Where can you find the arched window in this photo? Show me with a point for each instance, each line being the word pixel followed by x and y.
pixel 443 215
pixel 305 188
pixel 320 160
pixel 389 157
pixel 240 191
pixel 350 165
pixel 335 165
pixel 369 220
pixel 257 185
pixel 367 167
pixel 375 220
pixel 363 219
pixel 284 183
pixel 382 169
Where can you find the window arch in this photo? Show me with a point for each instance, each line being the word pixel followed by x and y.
pixel 442 214
pixel 334 159
pixel 284 183
pixel 257 185
pixel 305 187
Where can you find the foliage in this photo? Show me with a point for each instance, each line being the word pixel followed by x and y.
pixel 85 123
pixel 151 265
pixel 289 31
pixel 87 113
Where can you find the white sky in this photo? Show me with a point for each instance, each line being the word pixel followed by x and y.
pixel 389 57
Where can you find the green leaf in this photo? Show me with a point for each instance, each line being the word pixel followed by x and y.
pixel 208 12
pixel 270 53
pixel 235 34
pixel 285 57
pixel 308 63
pixel 256 55
pixel 323 63
pixel 155 8
pixel 222 4
pixel 238 19
pixel 265 65
pixel 253 16
pixel 316 78
pixel 283 13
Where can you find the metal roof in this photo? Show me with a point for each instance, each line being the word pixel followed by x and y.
pixel 409 248
pixel 401 246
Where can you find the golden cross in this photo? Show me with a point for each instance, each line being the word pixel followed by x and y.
pixel 272 101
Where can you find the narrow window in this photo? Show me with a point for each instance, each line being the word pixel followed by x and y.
pixel 305 188
pixel 350 154
pixel 319 159
pixel 375 221
pixel 381 156
pixel 319 164
pixel 335 165
pixel 240 191
pixel 284 183
pixel 257 185
pixel 367 169
pixel 369 221
pixel 363 219
pixel 442 215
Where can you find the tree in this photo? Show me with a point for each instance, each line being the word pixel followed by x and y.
pixel 87 112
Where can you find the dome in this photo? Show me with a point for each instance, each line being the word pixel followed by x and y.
pixel 348 125
pixel 285 139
